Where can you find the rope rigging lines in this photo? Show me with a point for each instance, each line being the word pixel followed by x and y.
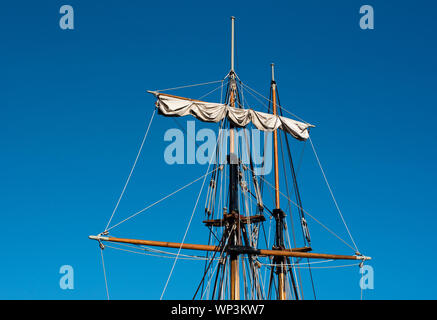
pixel 191 218
pixel 332 194
pixel 162 199
pixel 250 185
pixel 192 85
pixel 253 92
pixel 132 169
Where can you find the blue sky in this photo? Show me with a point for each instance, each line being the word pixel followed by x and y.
pixel 74 110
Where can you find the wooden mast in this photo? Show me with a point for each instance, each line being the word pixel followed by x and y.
pixel 233 186
pixel 275 140
pixel 278 212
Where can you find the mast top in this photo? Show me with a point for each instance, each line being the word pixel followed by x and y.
pixel 232 43
pixel 273 72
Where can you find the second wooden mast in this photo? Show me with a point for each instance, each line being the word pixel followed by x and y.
pixel 277 212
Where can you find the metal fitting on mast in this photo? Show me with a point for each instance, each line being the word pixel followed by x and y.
pixel 232 43
pixel 273 72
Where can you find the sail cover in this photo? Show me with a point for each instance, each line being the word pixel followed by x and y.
pixel 173 106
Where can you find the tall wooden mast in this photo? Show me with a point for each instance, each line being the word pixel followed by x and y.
pixel 275 138
pixel 277 212
pixel 233 185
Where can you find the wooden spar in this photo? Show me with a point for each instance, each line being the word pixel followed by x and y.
pixel 286 253
pixel 173 96
pixel 261 252
pixel 164 244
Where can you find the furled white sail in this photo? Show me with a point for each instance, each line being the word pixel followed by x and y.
pixel 173 106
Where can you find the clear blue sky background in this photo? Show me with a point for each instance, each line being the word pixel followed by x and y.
pixel 74 109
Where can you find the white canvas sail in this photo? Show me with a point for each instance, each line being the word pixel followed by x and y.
pixel 173 106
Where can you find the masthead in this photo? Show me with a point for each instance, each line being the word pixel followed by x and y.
pixel 232 42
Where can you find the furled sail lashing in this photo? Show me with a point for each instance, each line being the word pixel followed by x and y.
pixel 173 106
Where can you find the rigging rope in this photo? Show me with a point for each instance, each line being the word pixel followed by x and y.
pixel 183 239
pixel 323 267
pixel 191 218
pixel 332 194
pixel 304 226
pixel 209 281
pixel 150 249
pixel 191 85
pixel 162 199
pixel 282 108
pixel 104 273
pixel 329 230
pixel 132 169
pixel 208 93
pixel 186 257
pixel 207 268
